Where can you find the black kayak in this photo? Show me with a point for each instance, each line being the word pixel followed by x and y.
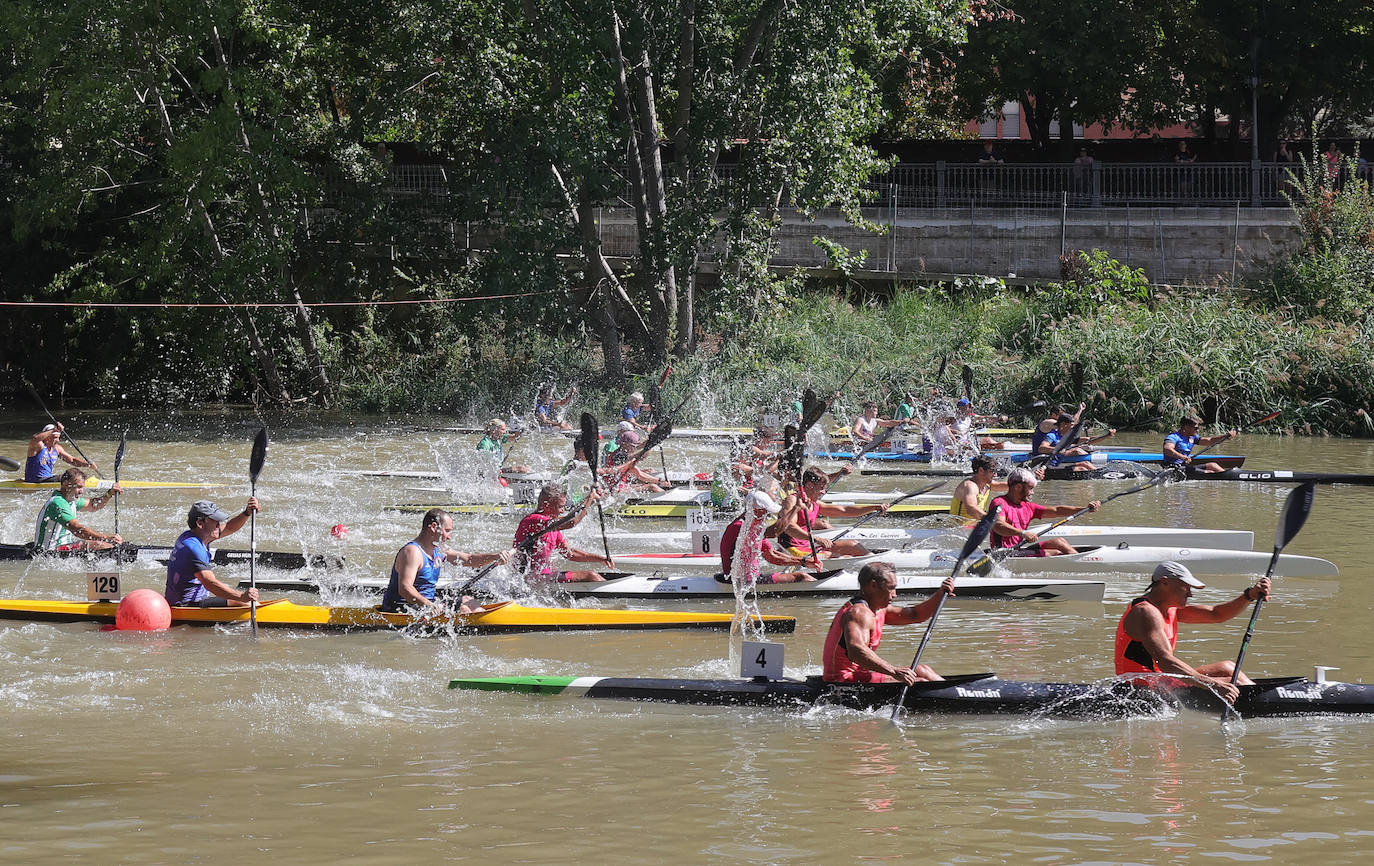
pixel 965 694
pixel 1282 476
pixel 130 552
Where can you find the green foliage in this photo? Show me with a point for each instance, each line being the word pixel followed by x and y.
pixel 1333 273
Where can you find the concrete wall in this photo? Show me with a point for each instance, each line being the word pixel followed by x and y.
pixel 1172 245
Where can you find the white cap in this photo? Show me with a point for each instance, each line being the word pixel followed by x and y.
pixel 48 428
pixel 624 425
pixel 1170 568
pixel 760 500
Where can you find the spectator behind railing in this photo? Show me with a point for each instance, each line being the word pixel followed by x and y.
pixel 1083 175
pixel 991 154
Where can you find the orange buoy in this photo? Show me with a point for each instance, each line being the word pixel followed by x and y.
pixel 143 610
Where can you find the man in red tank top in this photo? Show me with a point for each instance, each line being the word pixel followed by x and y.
pixel 1148 631
pixel 850 654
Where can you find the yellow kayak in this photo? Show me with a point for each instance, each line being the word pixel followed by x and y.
pixel 103 484
pixel 505 616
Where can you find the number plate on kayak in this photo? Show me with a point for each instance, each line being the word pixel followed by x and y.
pixel 698 519
pixel 102 586
pixel 761 659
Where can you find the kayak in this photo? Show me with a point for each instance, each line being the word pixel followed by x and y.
pixel 1094 560
pixel 1282 476
pixel 103 484
pixel 499 617
pixel 1225 461
pixel 1077 535
pixel 659 510
pixel 130 552
pixel 674 477
pixel 844 583
pixel 965 694
pixel 856 497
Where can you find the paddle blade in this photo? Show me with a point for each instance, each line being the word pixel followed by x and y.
pixel 1266 419
pixel 9 465
pixel 259 456
pixel 661 432
pixel 977 535
pixel 966 374
pixel 812 410
pixel 1296 508
pixel 940 373
pixel 119 456
pixel 591 435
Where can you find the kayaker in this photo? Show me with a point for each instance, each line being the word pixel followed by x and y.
pixel 1010 528
pixel 634 409
pixel 757 456
pixel 57 530
pixel 972 495
pixel 415 572
pixel 967 421
pixel 622 460
pixel 1050 424
pixel 803 508
pixel 493 443
pixel 743 557
pixel 851 645
pixel 190 578
pixel 538 565
pixel 1179 445
pixel 546 413
pixel 1148 631
pixel 865 427
pixel 1079 458
pixel 45 449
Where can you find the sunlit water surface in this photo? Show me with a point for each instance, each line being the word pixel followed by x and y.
pixel 201 745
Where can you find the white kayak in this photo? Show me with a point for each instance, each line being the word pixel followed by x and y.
pixel 1123 558
pixel 843 583
pixel 687 496
pixel 1077 535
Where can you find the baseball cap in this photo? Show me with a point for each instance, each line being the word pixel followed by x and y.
pixel 963 401
pixel 206 508
pixel 1169 568
pixel 758 499
pixel 628 437
pixel 624 425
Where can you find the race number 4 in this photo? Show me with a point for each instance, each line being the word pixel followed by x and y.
pixel 698 519
pixel 761 659
pixel 102 586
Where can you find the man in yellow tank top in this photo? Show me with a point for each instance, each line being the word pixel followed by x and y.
pixel 972 496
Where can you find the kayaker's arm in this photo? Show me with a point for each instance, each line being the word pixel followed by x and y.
pixel 1222 612
pixel 235 523
pixel 477 560
pixel 920 612
pixel 222 590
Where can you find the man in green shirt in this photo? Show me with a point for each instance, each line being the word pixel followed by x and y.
pixel 494 444
pixel 57 529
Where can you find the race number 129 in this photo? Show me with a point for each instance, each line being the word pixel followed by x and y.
pixel 102 586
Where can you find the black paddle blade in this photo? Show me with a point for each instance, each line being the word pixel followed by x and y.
pixel 119 455
pixel 591 435
pixel 940 373
pixel 661 432
pixel 812 410
pixel 259 456
pixel 966 374
pixel 977 535
pixel 9 464
pixel 1296 508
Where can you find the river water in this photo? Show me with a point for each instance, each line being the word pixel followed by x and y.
pixel 201 745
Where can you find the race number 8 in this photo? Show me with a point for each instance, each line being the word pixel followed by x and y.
pixel 705 542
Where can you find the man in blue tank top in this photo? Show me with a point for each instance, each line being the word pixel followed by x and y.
pixel 190 578
pixel 45 449
pixel 1179 445
pixel 415 573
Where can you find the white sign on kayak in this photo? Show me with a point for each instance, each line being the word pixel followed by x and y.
pixel 698 519
pixel 760 659
pixel 705 542
pixel 103 586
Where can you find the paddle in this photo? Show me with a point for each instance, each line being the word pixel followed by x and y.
pixel 793 451
pixel 984 564
pixel 1296 508
pixel 525 545
pixel 975 537
pixel 867 517
pixel 33 392
pixel 255 461
pixel 876 442
pixel 966 374
pixel 668 419
pixel 1258 421
pixel 119 458
pixel 592 434
pixel 9 464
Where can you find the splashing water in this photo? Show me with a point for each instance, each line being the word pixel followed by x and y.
pixel 744 573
